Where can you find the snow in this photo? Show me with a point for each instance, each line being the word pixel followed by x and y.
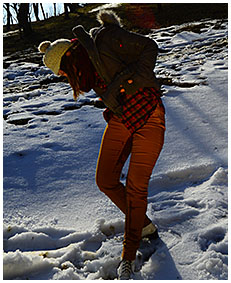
pixel 58 225
pixel 105 6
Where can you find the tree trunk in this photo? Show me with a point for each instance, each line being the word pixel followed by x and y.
pixel 23 18
pixel 73 7
pixel 8 15
pixel 66 11
pixel 54 9
pixel 36 11
pixel 41 6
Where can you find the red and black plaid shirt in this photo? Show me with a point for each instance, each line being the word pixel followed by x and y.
pixel 137 107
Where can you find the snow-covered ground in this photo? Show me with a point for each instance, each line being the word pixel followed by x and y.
pixel 58 225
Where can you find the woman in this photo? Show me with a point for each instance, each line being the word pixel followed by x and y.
pixel 118 65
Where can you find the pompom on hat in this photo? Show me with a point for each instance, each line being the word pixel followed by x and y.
pixel 54 52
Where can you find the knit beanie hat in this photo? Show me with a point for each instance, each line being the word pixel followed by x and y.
pixel 54 52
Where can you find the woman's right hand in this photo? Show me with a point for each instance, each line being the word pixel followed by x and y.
pixel 110 98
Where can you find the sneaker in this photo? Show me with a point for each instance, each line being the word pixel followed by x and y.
pixel 150 231
pixel 126 269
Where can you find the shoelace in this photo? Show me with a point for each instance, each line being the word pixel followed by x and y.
pixel 126 267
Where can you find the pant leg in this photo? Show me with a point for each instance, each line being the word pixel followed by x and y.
pixel 146 146
pixel 115 149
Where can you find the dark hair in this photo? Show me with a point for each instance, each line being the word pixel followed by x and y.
pixel 79 69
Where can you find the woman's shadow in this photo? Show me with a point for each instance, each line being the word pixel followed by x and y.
pixel 159 262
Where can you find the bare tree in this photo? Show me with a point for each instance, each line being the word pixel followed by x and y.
pixel 11 13
pixel 72 7
pixel 15 8
pixel 24 18
pixel 66 11
pixel 54 9
pixel 36 11
pixel 41 6
pixel 8 15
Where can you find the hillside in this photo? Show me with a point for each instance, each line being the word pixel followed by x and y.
pixel 137 17
pixel 58 225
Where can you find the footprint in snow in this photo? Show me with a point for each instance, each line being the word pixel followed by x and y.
pixel 211 236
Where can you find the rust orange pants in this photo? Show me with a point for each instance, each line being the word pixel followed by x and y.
pixel 144 146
